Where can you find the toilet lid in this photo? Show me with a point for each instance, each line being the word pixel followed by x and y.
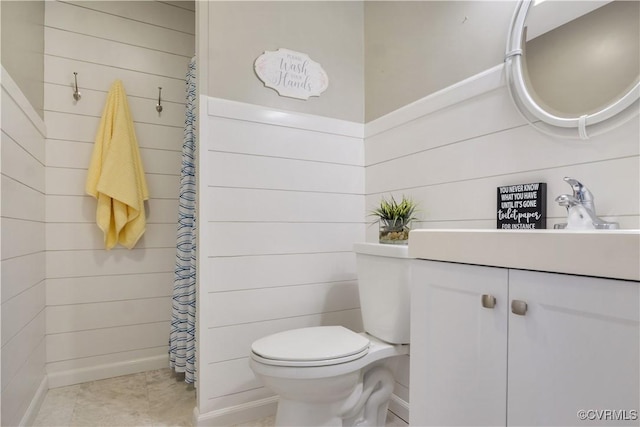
pixel 317 346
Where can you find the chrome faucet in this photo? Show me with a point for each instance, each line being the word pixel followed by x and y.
pixel 581 209
pixel 582 194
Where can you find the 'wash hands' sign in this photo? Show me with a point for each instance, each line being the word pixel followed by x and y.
pixel 522 206
pixel 291 73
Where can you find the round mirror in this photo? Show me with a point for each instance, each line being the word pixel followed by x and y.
pixel 573 68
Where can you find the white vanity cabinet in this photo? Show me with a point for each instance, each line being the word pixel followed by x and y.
pixel 574 347
pixel 458 348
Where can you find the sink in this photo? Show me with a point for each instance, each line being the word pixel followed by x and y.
pixel 600 253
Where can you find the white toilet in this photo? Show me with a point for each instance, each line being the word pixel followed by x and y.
pixel 331 376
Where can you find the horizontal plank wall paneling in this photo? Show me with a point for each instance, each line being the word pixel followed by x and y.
pixel 22 309
pixel 85 127
pixel 514 151
pixel 452 169
pixel 72 18
pixel 251 171
pixel 79 290
pixel 80 317
pixel 232 308
pixel 23 254
pixel 300 207
pixel 113 53
pixel 263 271
pixel 450 154
pixel 32 206
pixel 282 206
pixel 30 268
pixel 280 238
pixel 21 165
pixel 108 311
pixel 96 342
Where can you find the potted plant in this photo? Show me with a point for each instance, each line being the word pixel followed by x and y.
pixel 394 220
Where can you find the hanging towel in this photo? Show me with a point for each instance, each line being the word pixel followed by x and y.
pixel 116 177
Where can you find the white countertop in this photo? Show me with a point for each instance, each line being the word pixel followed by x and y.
pixel 600 253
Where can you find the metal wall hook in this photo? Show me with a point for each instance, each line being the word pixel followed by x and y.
pixel 159 106
pixel 76 92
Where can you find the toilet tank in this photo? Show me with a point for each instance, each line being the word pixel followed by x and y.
pixel 383 284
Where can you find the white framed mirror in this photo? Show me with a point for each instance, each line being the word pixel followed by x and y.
pixel 573 68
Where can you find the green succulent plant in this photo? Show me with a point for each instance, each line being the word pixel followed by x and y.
pixel 392 213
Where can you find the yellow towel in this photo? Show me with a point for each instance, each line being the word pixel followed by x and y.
pixel 116 177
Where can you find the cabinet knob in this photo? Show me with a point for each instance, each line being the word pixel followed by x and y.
pixel 488 301
pixel 518 307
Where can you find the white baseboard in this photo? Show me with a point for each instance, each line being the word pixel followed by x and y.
pixel 399 407
pixel 34 407
pixel 99 372
pixel 237 414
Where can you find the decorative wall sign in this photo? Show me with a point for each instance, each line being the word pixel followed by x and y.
pixel 522 206
pixel 291 73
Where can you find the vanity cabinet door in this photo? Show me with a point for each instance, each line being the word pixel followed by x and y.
pixel 458 346
pixel 576 348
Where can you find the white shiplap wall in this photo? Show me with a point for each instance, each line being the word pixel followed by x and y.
pixel 452 149
pixel 108 311
pixel 23 256
pixel 281 205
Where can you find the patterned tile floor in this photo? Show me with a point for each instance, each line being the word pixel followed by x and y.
pixel 154 398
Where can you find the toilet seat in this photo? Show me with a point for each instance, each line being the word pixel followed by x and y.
pixel 310 347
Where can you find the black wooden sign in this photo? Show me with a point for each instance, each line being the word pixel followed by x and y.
pixel 522 206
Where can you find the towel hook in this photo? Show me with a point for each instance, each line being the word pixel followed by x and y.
pixel 159 106
pixel 76 92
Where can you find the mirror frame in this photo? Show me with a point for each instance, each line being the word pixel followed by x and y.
pixel 583 127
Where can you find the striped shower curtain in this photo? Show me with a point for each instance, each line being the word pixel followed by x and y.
pixel 182 342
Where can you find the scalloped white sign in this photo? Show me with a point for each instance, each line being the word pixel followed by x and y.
pixel 292 74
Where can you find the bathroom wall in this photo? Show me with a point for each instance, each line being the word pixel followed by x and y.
pixel 23 256
pixel 331 33
pixel 451 149
pixel 415 48
pixel 281 185
pixel 23 46
pixel 22 214
pixel 108 311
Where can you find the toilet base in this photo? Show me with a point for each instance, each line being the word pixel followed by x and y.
pixel 365 406
pixel 296 413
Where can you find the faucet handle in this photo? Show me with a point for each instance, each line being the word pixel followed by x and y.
pixel 576 186
pixel 581 193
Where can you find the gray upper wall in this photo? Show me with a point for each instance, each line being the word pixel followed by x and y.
pixel 404 49
pixel 331 33
pixel 379 55
pixel 22 48
pixel 415 48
